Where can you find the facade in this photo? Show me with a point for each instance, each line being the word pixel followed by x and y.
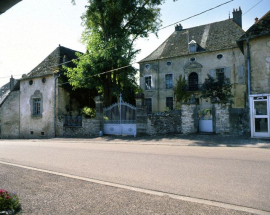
pixel 39 107
pixel 255 45
pixel 194 53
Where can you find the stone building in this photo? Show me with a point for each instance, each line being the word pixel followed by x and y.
pixel 194 53
pixel 255 45
pixel 39 107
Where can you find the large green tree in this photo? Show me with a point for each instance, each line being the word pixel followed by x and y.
pixel 111 29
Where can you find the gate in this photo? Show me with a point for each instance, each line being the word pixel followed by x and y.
pixel 206 119
pixel 120 119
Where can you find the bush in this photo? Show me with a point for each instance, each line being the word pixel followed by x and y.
pixel 89 112
pixel 9 202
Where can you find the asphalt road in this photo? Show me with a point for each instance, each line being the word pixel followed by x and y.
pixel 238 176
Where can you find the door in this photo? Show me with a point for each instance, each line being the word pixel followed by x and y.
pixel 260 116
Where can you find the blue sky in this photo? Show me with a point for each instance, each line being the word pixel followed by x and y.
pixel 32 29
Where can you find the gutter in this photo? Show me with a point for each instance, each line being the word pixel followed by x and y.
pixel 55 78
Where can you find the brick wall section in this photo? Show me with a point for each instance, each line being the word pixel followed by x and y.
pixel 189 118
pixel 164 123
pixel 222 119
pixel 90 127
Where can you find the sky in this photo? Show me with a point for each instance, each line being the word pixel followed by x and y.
pixel 32 29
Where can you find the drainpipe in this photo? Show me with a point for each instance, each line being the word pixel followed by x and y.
pixel 248 90
pixel 55 78
pixel 157 85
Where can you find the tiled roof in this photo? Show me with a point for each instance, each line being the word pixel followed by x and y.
pixel 5 89
pixel 260 28
pixel 52 63
pixel 210 37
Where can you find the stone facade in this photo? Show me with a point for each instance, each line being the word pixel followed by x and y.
pixel 10 115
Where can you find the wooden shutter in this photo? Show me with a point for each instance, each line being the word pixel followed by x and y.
pixel 227 73
pixel 213 73
pixel 153 82
pixel 240 74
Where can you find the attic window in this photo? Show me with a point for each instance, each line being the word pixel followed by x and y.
pixel 193 46
pixel 147 66
pixel 30 82
pixel 43 80
pixel 169 63
pixel 219 56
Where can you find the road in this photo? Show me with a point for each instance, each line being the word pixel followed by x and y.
pixel 237 176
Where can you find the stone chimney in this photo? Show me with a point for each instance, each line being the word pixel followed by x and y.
pixel 256 20
pixel 11 83
pixel 237 16
pixel 178 27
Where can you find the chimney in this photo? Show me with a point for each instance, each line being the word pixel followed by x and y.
pixel 11 83
pixel 256 20
pixel 237 16
pixel 178 27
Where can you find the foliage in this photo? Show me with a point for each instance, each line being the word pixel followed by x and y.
pixel 9 201
pixel 89 112
pixel 218 90
pixel 111 29
pixel 180 92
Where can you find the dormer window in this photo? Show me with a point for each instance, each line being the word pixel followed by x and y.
pixel 192 46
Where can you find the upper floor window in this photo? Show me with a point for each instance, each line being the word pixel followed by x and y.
pixel 220 74
pixel 147 66
pixel 36 107
pixel 219 56
pixel 169 63
pixel 148 104
pixel 192 59
pixel 193 81
pixel 169 81
pixel 148 83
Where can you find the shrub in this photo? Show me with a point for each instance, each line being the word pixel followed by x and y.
pixel 9 202
pixel 89 112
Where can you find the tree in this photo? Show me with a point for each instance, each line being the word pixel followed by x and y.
pixel 180 92
pixel 111 29
pixel 218 90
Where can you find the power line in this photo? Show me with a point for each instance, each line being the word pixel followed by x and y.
pixel 154 32
pixel 252 7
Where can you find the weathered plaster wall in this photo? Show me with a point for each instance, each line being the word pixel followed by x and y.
pixel 260 65
pixel 10 117
pixel 232 59
pixel 33 126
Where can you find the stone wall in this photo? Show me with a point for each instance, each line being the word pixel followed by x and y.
pixel 189 118
pixel 164 123
pixel 239 121
pixel 221 119
pixel 90 127
pixel 10 116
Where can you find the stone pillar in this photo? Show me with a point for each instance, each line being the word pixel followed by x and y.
pixel 222 118
pixel 141 115
pixel 189 118
pixel 99 111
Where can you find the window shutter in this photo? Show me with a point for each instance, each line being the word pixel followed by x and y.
pixel 240 72
pixel 213 73
pixel 153 82
pixel 227 73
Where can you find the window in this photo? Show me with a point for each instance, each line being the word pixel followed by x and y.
pixel 148 83
pixel 169 103
pixel 219 56
pixel 148 104
pixel 169 81
pixel 169 63
pixel 147 66
pixel 220 74
pixel 193 46
pixel 36 107
pixel 193 81
pixel 192 59
pixel 30 82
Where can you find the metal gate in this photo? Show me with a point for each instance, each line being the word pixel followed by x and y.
pixel 120 119
pixel 206 118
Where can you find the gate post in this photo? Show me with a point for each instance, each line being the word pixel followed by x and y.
pixel 99 111
pixel 141 115
pixel 222 118
pixel 189 118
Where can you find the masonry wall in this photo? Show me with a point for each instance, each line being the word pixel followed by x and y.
pixel 10 116
pixel 37 126
pixel 90 127
pixel 260 65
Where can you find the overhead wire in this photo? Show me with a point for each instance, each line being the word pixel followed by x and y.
pixel 252 7
pixel 150 33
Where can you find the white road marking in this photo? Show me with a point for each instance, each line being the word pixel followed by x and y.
pixel 146 191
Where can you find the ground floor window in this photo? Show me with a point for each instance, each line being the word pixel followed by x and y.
pixel 148 104
pixel 169 103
